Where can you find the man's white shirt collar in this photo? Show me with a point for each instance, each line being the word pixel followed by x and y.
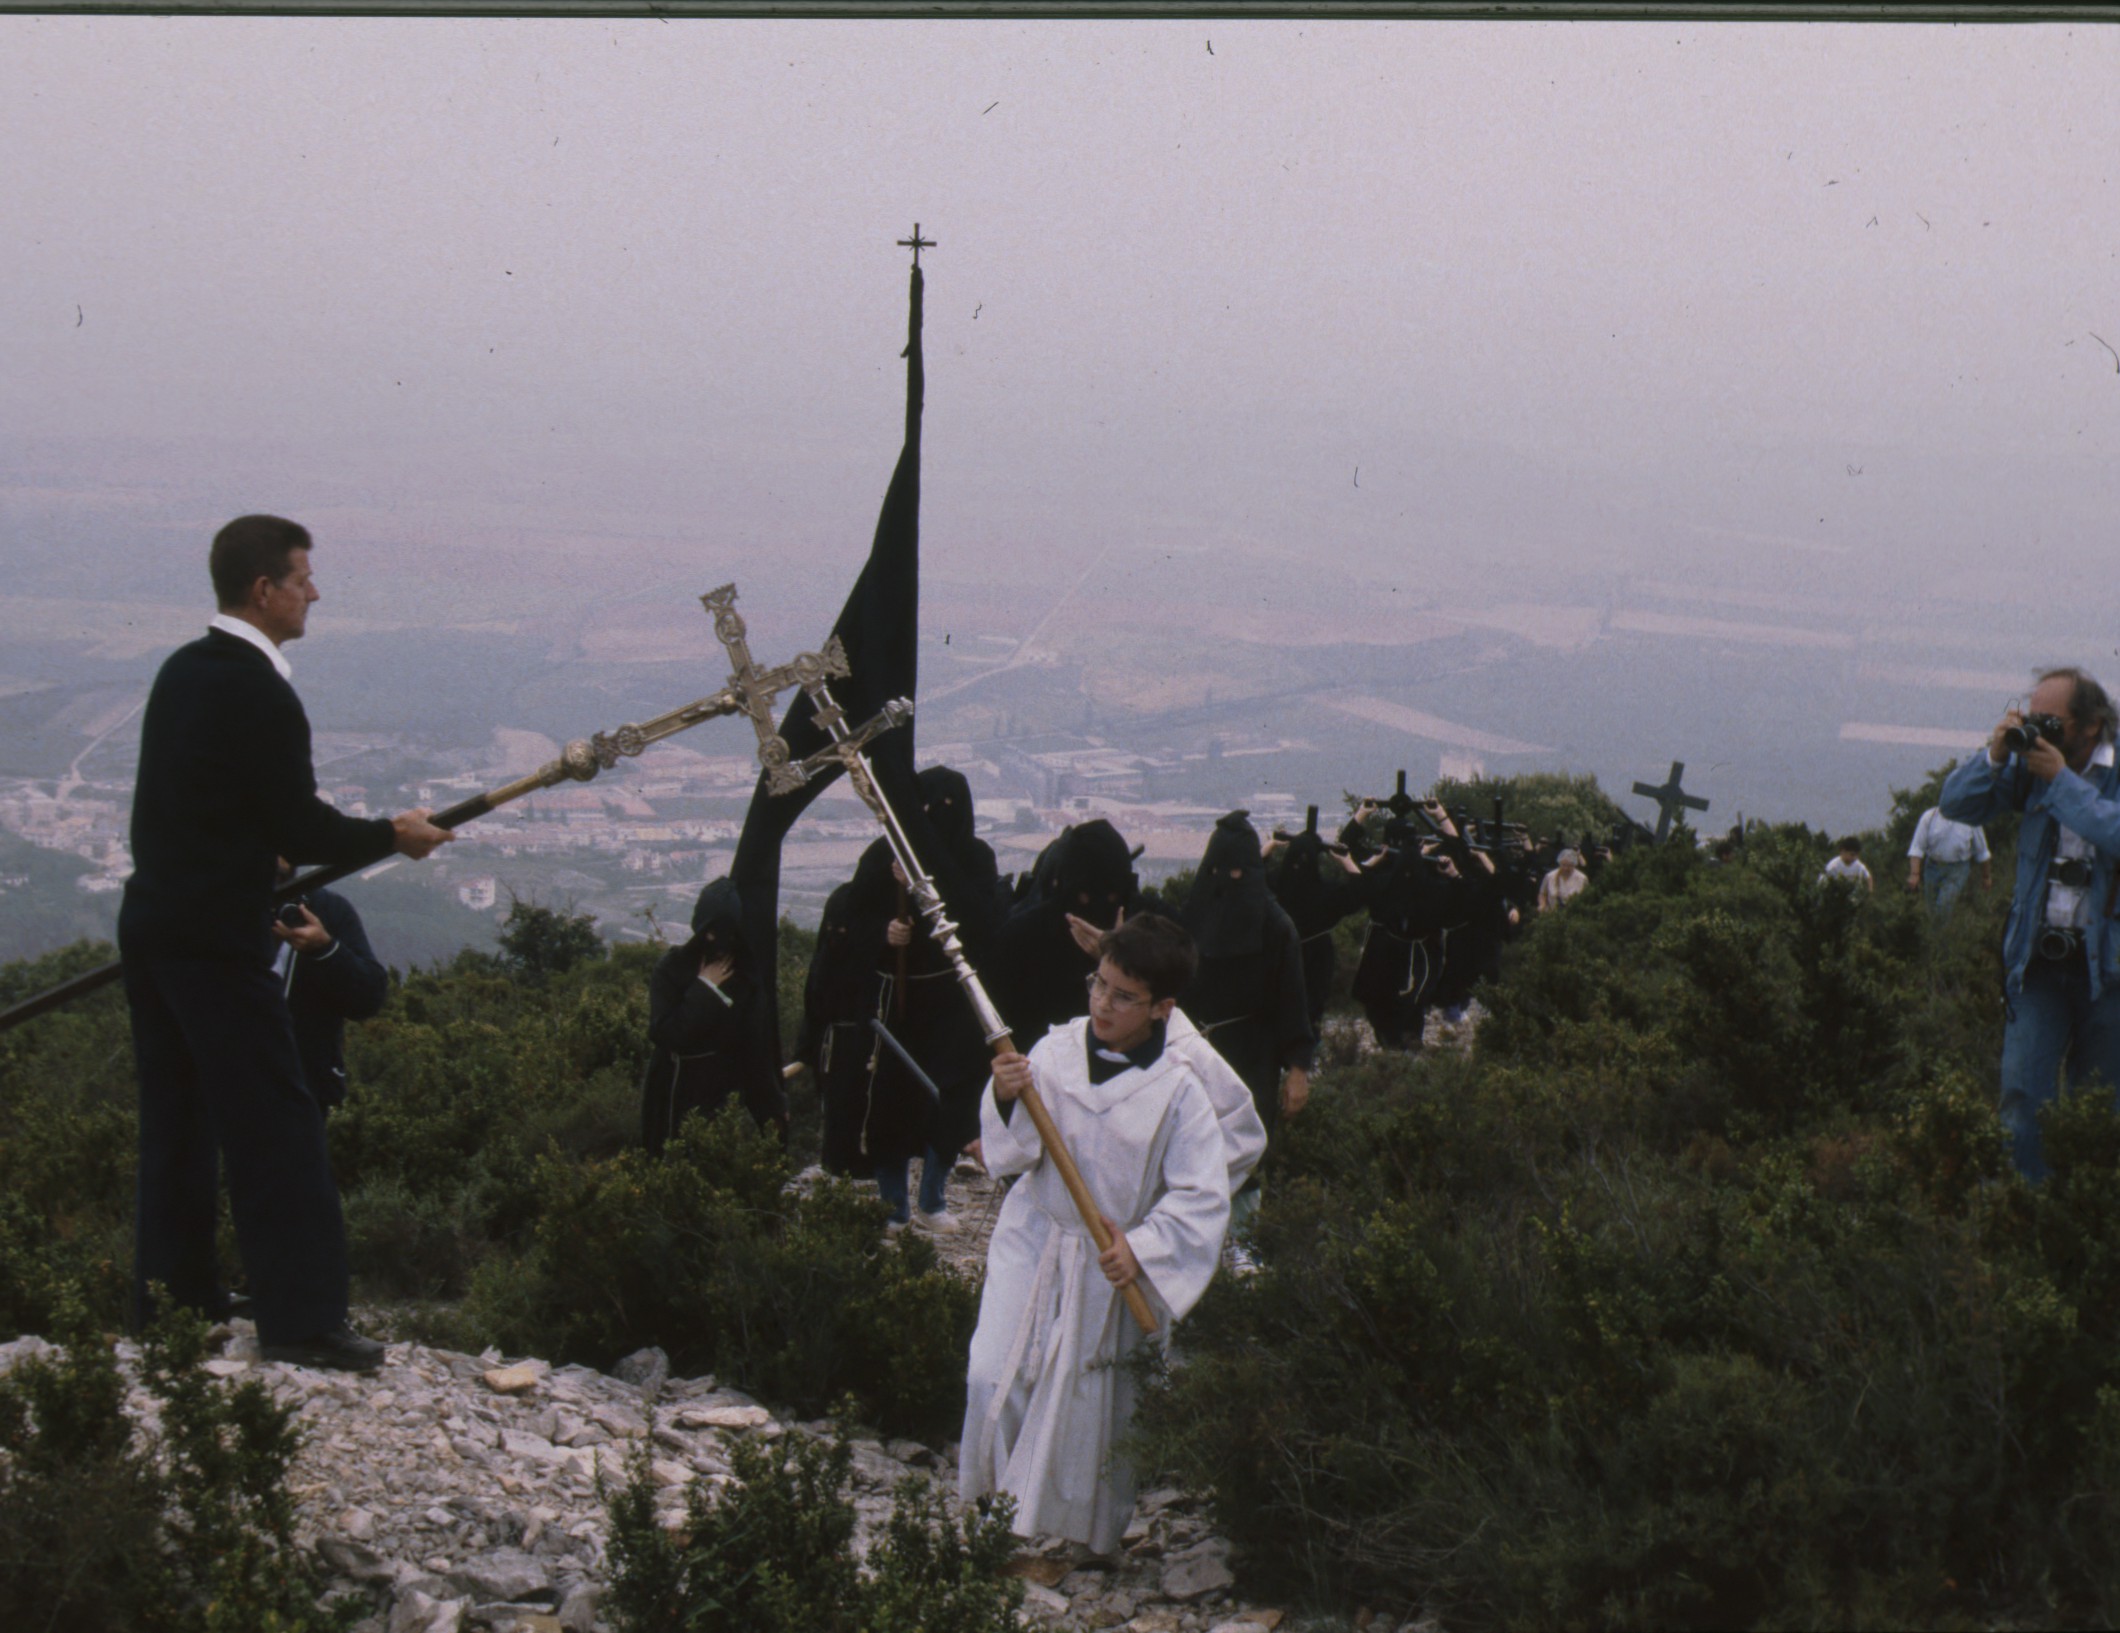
pixel 257 638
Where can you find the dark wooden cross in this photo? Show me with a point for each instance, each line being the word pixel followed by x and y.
pixel 1670 799
pixel 916 243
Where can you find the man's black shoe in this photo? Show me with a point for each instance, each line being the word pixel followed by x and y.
pixel 340 1350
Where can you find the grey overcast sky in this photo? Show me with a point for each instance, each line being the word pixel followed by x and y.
pixel 1808 306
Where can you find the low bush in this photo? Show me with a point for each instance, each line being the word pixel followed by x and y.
pixel 774 1554
pixel 66 1147
pixel 1700 1294
pixel 709 1252
pixel 106 1524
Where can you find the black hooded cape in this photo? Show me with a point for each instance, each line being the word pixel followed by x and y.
pixel 1247 994
pixel 706 1049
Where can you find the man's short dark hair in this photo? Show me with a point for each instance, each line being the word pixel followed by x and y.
pixel 2089 702
pixel 248 549
pixel 1155 951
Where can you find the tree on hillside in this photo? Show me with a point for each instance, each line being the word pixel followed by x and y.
pixel 1549 802
pixel 540 942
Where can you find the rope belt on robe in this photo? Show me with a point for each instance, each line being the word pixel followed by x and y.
pixel 1033 1357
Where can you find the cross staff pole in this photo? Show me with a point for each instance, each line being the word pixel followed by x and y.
pixel 846 751
pixel 751 691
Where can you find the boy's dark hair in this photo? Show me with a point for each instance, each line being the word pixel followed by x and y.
pixel 248 549
pixel 1851 846
pixel 1155 951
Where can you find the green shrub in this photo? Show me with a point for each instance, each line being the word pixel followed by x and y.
pixel 67 1134
pixel 1699 1295
pixel 105 1525
pixel 708 1252
pixel 775 1554
pixel 1550 802
pixel 538 942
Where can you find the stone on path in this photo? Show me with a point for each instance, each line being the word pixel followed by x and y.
pixel 416 1612
pixel 726 1417
pixel 1197 1572
pixel 519 1379
pixel 504 1574
pixel 645 1369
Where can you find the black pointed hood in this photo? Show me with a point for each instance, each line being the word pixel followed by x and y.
pixel 1226 908
pixel 874 888
pixel 947 798
pixel 1095 863
pixel 717 920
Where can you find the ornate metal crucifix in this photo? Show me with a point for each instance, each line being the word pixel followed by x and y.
pixel 756 690
pixel 1670 799
pixel 751 691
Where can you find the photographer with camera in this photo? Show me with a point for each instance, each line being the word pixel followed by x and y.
pixel 330 976
pixel 2054 762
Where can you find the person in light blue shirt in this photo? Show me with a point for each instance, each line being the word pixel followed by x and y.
pixel 2053 761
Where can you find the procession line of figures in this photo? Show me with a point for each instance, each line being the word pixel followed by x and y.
pixel 1170 1040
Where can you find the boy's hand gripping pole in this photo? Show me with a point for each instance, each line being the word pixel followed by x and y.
pixel 845 751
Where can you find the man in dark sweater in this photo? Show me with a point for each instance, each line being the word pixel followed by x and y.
pixel 225 788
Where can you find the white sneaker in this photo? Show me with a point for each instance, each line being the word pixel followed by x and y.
pixel 943 1221
pixel 1239 1259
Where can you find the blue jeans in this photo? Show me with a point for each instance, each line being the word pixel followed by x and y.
pixel 2053 1021
pixel 892 1184
pixel 1942 883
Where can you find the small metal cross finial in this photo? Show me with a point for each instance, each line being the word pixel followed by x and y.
pixel 916 243
pixel 1670 799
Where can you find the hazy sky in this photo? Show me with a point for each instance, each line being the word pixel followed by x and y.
pixel 1813 305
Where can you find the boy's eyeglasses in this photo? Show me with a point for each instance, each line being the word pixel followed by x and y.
pixel 1114 996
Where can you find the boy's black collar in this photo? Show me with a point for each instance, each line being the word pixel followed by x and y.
pixel 1106 1063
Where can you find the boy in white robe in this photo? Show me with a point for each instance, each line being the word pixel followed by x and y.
pixel 1048 1395
pixel 1243 1131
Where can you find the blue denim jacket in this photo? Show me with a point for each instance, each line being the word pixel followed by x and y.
pixel 2089 803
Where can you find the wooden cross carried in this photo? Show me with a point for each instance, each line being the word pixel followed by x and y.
pixel 1670 799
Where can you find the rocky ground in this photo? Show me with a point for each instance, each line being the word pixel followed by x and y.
pixel 451 1492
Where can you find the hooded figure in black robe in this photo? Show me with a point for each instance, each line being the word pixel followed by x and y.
pixel 706 1044
pixel 876 1114
pixel 1402 958
pixel 1247 993
pixel 1479 918
pixel 940 1027
pixel 1316 892
pixel 845 989
pixel 1036 973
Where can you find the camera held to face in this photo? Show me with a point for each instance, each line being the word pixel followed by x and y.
pixel 2032 729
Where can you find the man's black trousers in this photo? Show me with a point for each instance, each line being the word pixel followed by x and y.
pixel 220 1078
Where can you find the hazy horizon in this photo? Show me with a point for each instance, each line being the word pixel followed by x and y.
pixel 1736 343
